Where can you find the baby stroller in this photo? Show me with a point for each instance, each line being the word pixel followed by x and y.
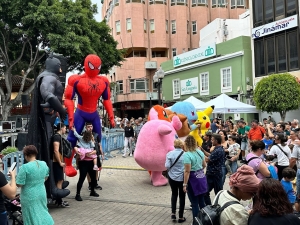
pixel 14 211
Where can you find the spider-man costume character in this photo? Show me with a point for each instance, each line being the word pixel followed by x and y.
pixel 89 87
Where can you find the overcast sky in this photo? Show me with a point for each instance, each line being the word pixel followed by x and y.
pixel 98 16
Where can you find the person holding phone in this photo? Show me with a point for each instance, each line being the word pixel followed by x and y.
pixel 9 190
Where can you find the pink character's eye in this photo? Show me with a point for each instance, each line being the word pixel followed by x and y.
pixel 91 66
pixel 99 67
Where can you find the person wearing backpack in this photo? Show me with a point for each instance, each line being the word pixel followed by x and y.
pixel 243 186
pixel 283 153
pixel 255 161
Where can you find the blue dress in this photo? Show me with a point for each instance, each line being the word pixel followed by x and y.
pixel 33 193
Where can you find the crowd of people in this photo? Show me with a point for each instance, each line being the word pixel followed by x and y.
pixel 261 160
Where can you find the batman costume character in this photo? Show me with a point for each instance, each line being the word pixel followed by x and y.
pixel 46 103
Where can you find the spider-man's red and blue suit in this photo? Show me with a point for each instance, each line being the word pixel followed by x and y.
pixel 89 87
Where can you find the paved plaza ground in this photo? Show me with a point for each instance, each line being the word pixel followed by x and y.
pixel 127 198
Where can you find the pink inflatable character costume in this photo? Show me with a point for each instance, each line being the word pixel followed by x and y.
pixel 155 140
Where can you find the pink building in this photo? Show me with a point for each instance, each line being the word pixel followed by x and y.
pixel 153 31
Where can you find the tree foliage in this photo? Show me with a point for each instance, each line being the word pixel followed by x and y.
pixel 67 27
pixel 277 93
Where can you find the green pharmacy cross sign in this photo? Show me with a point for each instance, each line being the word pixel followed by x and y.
pixel 195 55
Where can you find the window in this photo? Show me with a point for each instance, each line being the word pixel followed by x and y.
pixel 204 84
pixel 226 82
pixel 199 3
pixel 281 53
pixel 240 2
pixel 277 53
pixel 167 26
pixel 259 58
pixel 116 2
pixel 128 25
pixel 138 86
pixel 270 56
pixel 222 3
pixel 293 50
pixel 194 27
pixel 173 26
pixel 118 27
pixel 172 2
pixel 156 54
pixel 145 25
pixel 120 87
pixel 139 53
pixel 258 13
pixel 213 3
pixel 151 2
pixel 279 9
pixel 152 26
pixel 268 11
pixel 291 7
pixel 174 52
pixel 176 88
pixel 180 2
pixel 188 27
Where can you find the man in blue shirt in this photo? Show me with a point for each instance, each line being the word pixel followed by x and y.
pixel 214 168
pixel 214 126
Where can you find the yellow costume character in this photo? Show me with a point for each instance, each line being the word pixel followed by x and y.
pixel 204 121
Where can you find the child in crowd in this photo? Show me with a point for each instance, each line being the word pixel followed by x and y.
pixel 289 175
pixel 268 143
pixel 86 144
pixel 233 153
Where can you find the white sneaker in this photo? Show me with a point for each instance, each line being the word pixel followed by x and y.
pixel 124 156
pixel 130 154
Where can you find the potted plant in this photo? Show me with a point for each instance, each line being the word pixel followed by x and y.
pixel 6 151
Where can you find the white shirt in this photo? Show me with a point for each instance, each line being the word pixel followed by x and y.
pixel 296 155
pixel 234 214
pixel 283 160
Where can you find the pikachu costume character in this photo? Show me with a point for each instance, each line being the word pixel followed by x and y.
pixel 204 121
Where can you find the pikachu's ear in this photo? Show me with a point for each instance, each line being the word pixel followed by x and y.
pixel 209 110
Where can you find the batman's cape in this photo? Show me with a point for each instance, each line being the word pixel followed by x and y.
pixel 37 132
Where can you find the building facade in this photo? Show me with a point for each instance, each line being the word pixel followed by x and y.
pixel 275 41
pixel 228 71
pixel 154 31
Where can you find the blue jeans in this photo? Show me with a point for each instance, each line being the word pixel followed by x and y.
pixel 234 167
pixel 3 218
pixel 213 182
pixel 196 201
pixel 298 182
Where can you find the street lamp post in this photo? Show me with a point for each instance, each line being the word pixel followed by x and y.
pixel 158 76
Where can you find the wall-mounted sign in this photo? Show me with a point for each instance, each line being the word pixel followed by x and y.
pixel 275 27
pixel 189 86
pixel 195 55
pixel 150 65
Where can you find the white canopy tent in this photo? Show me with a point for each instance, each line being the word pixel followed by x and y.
pixel 194 101
pixel 224 104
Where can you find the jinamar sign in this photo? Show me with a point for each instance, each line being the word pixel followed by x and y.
pixel 189 86
pixel 274 27
pixel 195 55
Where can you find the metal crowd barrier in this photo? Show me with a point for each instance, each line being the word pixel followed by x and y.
pixel 112 140
pixel 17 157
